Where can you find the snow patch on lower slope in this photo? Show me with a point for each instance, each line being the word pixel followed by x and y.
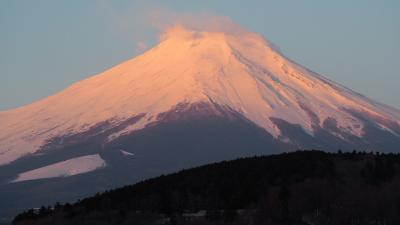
pixel 70 167
pixel 125 153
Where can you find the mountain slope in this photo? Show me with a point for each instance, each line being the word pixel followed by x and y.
pixel 238 71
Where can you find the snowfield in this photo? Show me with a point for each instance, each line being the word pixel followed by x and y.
pixel 71 167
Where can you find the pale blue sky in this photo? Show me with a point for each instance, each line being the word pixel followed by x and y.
pixel 47 45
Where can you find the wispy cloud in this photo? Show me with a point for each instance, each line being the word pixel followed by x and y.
pixel 147 25
pixel 164 19
pixel 141 46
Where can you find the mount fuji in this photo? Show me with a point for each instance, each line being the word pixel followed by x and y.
pixel 197 97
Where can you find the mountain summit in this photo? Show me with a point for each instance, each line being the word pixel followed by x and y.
pixel 196 97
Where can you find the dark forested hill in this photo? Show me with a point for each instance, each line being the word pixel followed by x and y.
pixel 304 187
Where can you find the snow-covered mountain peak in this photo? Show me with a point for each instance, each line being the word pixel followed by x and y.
pixel 237 70
pixel 225 41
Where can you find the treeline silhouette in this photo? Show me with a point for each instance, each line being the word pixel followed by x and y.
pixel 303 187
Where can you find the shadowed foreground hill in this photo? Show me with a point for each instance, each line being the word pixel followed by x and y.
pixel 305 187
